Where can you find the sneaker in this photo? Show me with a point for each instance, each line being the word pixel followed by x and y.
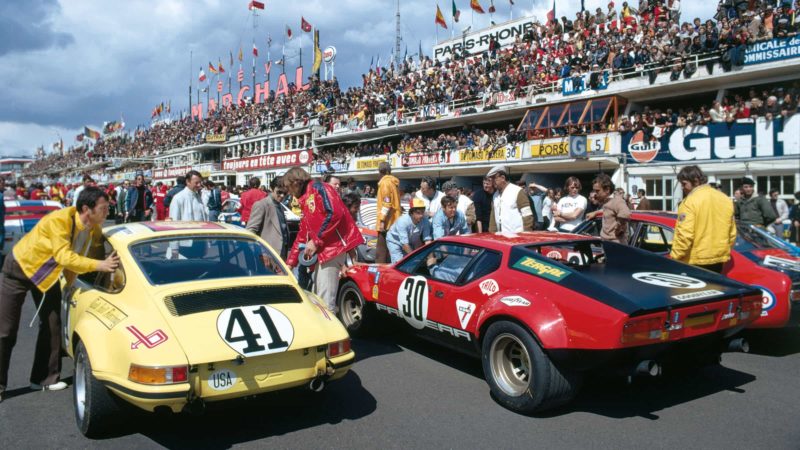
pixel 50 387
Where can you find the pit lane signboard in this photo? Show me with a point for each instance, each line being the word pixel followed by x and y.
pixel 269 161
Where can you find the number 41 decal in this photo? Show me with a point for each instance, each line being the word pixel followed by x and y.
pixel 255 330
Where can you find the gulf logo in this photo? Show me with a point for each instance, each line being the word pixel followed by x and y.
pixel 641 151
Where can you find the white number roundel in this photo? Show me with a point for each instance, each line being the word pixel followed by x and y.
pixel 767 299
pixel 255 330
pixel 670 280
pixel 412 301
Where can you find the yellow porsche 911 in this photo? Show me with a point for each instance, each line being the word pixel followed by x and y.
pixel 196 313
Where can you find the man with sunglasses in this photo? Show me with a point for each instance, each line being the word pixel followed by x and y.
pixel 268 220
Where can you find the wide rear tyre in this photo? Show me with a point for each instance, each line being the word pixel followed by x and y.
pixel 520 375
pixel 356 314
pixel 96 409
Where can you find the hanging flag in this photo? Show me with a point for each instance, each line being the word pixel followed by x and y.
pixel 90 133
pixel 288 32
pixel 279 62
pixel 240 75
pixel 169 106
pixel 305 26
pixel 476 6
pixel 219 86
pixel 456 12
pixel 440 18
pixel 231 64
pixel 317 54
pixel 255 50
pixel 551 15
pixel 79 137
pixel 241 55
pixel 371 62
pixel 221 69
pixel 255 5
pixel 202 76
pixel 212 69
pixel 511 1
pixel 110 127
pixel 491 7
pixel 420 51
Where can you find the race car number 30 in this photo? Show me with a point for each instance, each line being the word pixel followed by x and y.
pixel 670 280
pixel 255 330
pixel 412 301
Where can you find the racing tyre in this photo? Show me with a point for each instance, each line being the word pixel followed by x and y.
pixel 521 376
pixel 96 410
pixel 355 312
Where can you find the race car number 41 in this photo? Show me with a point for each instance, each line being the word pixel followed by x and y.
pixel 255 330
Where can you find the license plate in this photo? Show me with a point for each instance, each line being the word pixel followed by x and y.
pixel 699 320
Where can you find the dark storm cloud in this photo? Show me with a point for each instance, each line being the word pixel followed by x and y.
pixel 26 25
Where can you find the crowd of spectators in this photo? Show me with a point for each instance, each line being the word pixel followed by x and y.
pixel 631 41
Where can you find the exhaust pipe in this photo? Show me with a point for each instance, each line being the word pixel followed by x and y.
pixel 739 345
pixel 195 407
pixel 648 367
pixel 317 384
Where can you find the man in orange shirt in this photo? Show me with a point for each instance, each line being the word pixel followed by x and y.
pixel 388 209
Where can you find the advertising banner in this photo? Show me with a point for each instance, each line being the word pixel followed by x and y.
pixel 717 141
pixel 478 42
pixel 505 153
pixel 269 161
pixel 368 163
pixel 772 50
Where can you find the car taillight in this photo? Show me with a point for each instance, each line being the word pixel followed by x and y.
pixel 646 330
pixel 751 306
pixel 794 295
pixel 158 375
pixel 338 348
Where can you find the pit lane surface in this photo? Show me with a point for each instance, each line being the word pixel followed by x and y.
pixel 407 393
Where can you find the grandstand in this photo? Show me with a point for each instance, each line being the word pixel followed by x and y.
pixel 636 95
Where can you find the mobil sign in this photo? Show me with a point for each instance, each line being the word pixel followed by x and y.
pixel 717 141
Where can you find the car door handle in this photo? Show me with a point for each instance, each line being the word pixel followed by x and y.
pixel 439 294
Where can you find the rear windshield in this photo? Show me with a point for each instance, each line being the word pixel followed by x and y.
pixel 30 211
pixel 174 260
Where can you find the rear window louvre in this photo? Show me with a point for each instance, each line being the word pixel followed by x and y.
pixel 209 300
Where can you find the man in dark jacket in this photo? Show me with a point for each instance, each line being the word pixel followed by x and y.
pixel 139 201
pixel 753 209
pixel 180 184
pixel 483 205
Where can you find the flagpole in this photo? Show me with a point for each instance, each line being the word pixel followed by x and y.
pixel 255 27
pixel 191 79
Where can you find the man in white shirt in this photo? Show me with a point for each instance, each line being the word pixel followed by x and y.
pixel 571 207
pixel 511 207
pixel 427 193
pixel 87 181
pixel 187 204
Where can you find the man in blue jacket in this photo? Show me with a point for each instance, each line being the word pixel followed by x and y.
pixel 410 232
pixel 449 221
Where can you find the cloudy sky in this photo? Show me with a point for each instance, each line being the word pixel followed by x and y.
pixel 72 63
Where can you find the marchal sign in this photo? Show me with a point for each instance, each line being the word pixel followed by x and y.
pixel 269 161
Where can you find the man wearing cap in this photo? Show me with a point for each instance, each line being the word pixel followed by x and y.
pixel 511 207
pixel 388 209
pixel 410 232
pixel 753 209
pixel 464 204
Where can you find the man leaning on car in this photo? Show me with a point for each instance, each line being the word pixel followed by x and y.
pixel 58 243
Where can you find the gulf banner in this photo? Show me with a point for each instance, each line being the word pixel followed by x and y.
pixel 504 153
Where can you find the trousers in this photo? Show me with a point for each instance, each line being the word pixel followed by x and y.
pixel 46 368
pixel 326 280
pixel 382 250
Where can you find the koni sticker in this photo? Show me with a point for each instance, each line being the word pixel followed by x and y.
pixel 489 287
pixel 515 300
pixel 412 301
pixel 255 330
pixel 539 268
pixel 464 309
pixel 670 280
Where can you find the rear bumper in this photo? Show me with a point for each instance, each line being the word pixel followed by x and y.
pixel 699 348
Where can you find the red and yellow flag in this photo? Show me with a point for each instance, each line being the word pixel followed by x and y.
pixel 211 68
pixel 476 6
pixel 440 18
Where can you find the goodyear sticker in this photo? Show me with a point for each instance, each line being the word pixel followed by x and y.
pixel 544 270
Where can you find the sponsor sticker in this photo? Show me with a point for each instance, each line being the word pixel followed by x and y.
pixel 108 314
pixel 768 300
pixel 222 380
pixel 375 292
pixel 489 287
pixel 670 280
pixel 464 310
pixel 554 254
pixel 697 295
pixel 310 203
pixel 151 340
pixel 544 270
pixel 515 300
pixel 255 330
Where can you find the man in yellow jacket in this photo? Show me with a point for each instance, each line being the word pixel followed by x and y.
pixel 388 206
pixel 706 230
pixel 58 243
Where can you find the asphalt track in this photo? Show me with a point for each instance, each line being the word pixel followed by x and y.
pixel 407 393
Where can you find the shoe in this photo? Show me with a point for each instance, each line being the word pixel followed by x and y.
pixel 1 396
pixel 60 385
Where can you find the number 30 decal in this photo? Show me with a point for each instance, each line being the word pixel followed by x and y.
pixel 255 330
pixel 412 301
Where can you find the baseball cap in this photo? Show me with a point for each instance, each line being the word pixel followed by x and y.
pixel 416 203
